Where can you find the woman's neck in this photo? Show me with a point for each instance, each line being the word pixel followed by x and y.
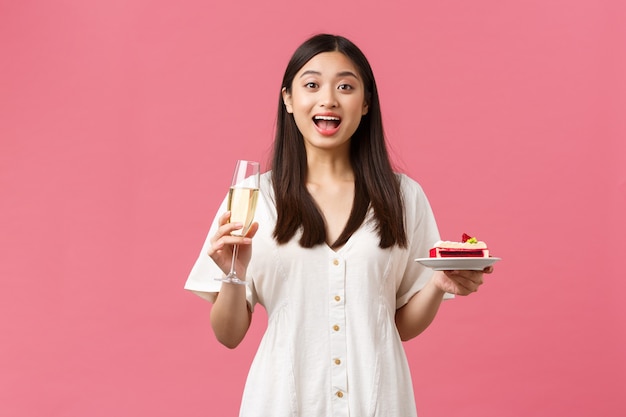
pixel 323 167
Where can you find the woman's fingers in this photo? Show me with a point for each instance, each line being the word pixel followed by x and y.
pixel 224 235
pixel 466 282
pixel 224 218
pixel 252 230
pixel 225 227
pixel 462 282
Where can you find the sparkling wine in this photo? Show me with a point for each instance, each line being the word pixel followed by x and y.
pixel 241 204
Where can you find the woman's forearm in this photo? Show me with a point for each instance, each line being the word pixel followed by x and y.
pixel 230 316
pixel 416 315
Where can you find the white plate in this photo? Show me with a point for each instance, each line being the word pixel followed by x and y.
pixel 458 264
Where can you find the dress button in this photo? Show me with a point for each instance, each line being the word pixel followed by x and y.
pixel 337 298
pixel 336 328
pixel 335 262
pixel 337 361
pixel 339 394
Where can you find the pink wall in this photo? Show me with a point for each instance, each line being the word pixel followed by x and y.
pixel 119 124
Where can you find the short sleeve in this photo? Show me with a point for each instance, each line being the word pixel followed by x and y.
pixel 422 233
pixel 202 278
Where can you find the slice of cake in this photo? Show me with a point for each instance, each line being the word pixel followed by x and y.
pixel 469 247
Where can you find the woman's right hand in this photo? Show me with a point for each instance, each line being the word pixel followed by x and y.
pixel 221 250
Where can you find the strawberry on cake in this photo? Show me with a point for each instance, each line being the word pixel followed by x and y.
pixel 469 247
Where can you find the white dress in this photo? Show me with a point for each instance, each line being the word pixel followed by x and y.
pixel 331 347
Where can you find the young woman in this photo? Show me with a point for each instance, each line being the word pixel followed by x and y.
pixel 331 253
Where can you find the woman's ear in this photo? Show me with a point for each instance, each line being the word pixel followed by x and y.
pixel 287 100
pixel 366 108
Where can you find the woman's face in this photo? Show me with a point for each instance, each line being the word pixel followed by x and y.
pixel 327 100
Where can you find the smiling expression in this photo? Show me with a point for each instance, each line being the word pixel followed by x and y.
pixel 327 100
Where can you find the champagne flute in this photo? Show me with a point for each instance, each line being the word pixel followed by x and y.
pixel 242 198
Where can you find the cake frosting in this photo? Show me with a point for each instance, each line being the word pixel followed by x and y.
pixel 468 247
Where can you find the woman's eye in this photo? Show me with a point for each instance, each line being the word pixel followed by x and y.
pixel 310 85
pixel 345 87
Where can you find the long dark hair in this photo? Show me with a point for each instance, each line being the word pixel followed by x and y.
pixel 375 182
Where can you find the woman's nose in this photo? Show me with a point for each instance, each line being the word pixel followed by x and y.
pixel 328 98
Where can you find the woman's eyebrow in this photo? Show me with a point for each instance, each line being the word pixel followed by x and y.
pixel 310 72
pixel 347 74
pixel 339 74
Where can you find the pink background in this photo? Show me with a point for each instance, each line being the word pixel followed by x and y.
pixel 120 121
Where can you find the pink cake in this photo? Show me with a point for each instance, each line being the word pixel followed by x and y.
pixel 470 247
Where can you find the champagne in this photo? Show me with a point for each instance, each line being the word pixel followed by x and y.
pixel 241 204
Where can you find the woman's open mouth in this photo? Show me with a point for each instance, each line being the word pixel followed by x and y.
pixel 327 124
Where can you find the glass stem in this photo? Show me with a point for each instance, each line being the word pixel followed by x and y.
pixel 232 272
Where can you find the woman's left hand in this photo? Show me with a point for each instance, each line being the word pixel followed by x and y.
pixel 460 282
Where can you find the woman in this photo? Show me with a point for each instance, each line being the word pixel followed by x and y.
pixel 331 254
